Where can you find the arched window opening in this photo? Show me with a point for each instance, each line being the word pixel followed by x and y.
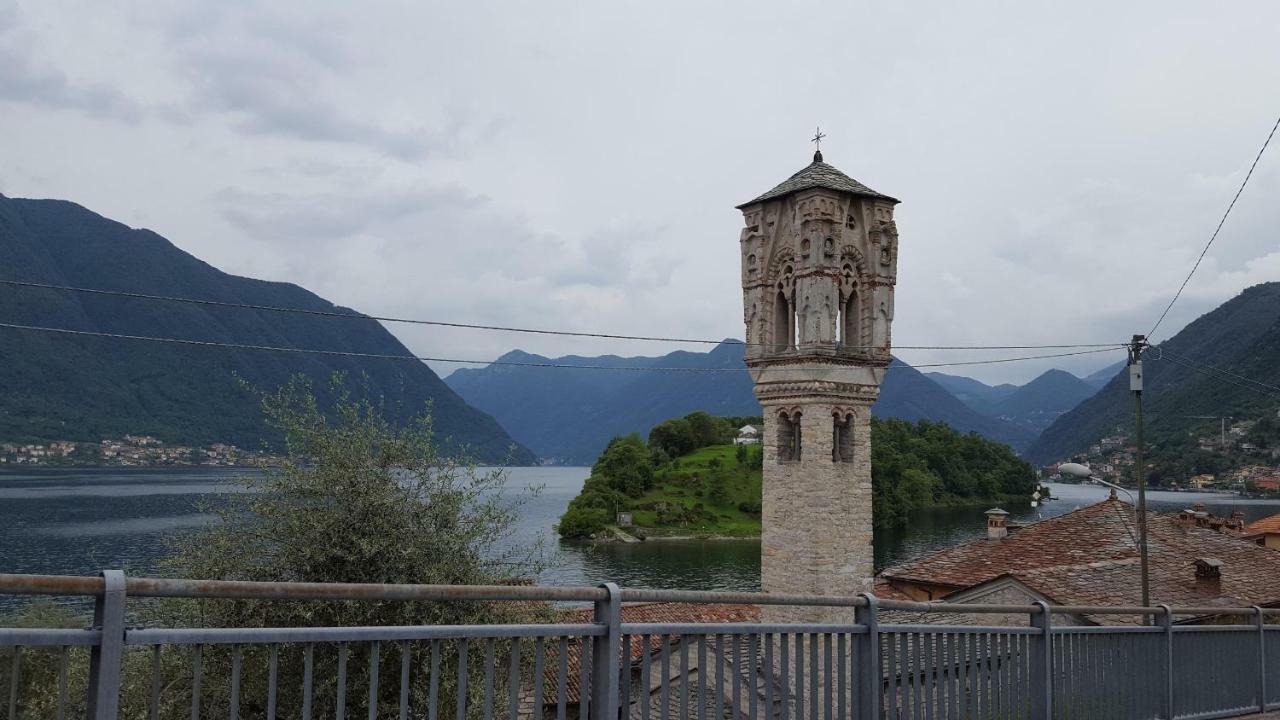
pixel 842 439
pixel 782 322
pixel 849 329
pixel 788 437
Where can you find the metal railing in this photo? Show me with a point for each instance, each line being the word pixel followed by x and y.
pixel 602 666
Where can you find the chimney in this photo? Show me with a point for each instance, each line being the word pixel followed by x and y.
pixel 1208 569
pixel 1236 524
pixel 997 524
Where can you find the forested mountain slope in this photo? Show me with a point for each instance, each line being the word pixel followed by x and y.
pixel 1241 339
pixel 87 388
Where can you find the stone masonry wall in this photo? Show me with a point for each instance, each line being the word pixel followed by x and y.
pixel 817 514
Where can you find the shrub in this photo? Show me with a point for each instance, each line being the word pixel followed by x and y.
pixel 582 522
pixel 356 500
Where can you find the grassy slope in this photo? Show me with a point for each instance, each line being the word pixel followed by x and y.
pixel 687 481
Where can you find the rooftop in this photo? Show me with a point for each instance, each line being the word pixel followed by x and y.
pixel 1264 526
pixel 818 174
pixel 1090 557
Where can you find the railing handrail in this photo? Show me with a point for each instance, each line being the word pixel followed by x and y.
pixel 83 585
pixel 1017 661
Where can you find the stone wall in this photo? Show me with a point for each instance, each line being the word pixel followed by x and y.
pixel 817 513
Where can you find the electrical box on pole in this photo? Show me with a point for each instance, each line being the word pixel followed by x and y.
pixel 1135 376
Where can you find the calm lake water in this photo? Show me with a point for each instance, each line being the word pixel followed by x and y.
pixel 80 521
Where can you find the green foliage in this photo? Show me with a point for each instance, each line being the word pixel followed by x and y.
pixel 717 486
pixel 357 500
pixel 700 493
pixel 709 430
pixel 37 688
pixel 1266 432
pixel 581 522
pixel 681 436
pixel 915 465
pixel 625 465
pixel 673 438
pixel 716 490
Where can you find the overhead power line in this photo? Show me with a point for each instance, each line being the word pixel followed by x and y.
pixel 1217 376
pixel 498 328
pixel 1218 229
pixel 513 363
pixel 1223 371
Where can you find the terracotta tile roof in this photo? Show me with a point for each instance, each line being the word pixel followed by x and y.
pixel 659 612
pixel 883 590
pixel 1089 557
pixel 1052 542
pixel 1263 526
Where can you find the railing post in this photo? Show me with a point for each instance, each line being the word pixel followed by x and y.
pixel 606 666
pixel 1262 658
pixel 1166 622
pixel 106 657
pixel 1042 663
pixel 870 683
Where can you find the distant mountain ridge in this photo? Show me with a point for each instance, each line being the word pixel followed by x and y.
pixel 85 388
pixel 1033 406
pixel 978 395
pixel 569 415
pixel 1240 338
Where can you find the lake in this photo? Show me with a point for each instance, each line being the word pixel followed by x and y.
pixel 78 521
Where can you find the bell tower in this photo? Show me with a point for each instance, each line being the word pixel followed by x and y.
pixel 819 263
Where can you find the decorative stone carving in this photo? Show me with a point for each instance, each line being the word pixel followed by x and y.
pixel 831 248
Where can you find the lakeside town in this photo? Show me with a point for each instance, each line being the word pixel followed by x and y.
pixel 129 451
pixel 1248 463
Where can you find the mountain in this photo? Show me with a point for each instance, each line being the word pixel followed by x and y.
pixel 1100 378
pixel 570 414
pixel 88 388
pixel 978 395
pixel 1038 403
pixel 1033 406
pixel 1240 338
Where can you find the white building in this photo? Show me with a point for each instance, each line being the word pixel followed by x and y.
pixel 748 435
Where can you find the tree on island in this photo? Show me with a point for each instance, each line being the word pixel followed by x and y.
pixel 913 466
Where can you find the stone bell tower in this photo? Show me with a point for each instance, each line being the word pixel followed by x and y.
pixel 819 262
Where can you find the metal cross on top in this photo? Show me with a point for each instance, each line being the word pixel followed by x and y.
pixel 817 138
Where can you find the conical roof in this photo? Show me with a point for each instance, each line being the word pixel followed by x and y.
pixel 818 174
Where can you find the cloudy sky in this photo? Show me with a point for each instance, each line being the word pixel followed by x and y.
pixel 575 165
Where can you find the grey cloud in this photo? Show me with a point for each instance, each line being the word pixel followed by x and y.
pixel 267 75
pixel 27 80
pixel 285 218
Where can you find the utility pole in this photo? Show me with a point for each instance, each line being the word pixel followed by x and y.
pixel 1136 347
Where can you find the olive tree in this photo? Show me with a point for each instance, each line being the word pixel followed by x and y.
pixel 357 500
